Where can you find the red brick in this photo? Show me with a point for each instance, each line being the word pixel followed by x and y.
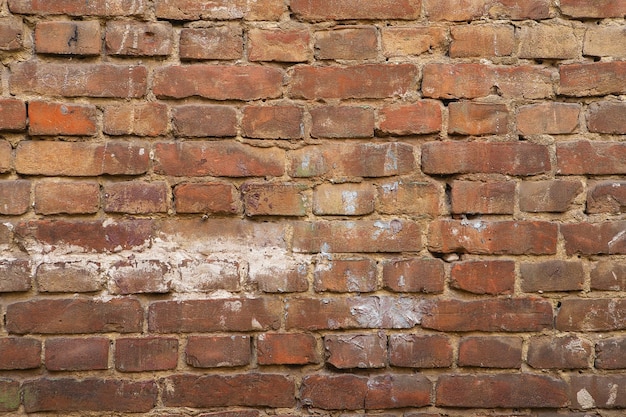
pixel 92 394
pixel 417 351
pixel 274 199
pixel 358 81
pixel 470 80
pixel 122 315
pixel 243 390
pixel 490 351
pixel 15 275
pixel 548 41
pixel 422 117
pixel 345 275
pixel 344 199
pixel 354 9
pixel 53 197
pixel 476 118
pixel 356 350
pixel 399 41
pixel 219 9
pixel 511 158
pixel 569 352
pixel 342 392
pixel 492 238
pixel 11 395
pixel 374 312
pixel 484 277
pixel 287 349
pixel 278 45
pixel 139 276
pixel 398 391
pixel 555 275
pixel 89 80
pixel 144 119
pixel 610 353
pixel 548 118
pixel 607 117
pixel 548 196
pixel 224 159
pixel 11 34
pixel 591 315
pixel 75 277
pixel 349 43
pixel 218 82
pixel 605 41
pixel 608 276
pixel 79 8
pixel 597 391
pixel 12 114
pixel 484 40
pixel 136 197
pixel 289 276
pixel 594 158
pixel 47 118
pixel 138 38
pixel 414 275
pixel 595 238
pixel 353 160
pixel 475 9
pixel 19 353
pixel 357 236
pixel 273 122
pixel 74 354
pixel 146 354
pixel 14 197
pixel 597 9
pixel 217 351
pixel 206 197
pixel 415 198
pixel 198 120
pixel 483 197
pixel 501 391
pixel 489 315
pixel 221 42
pixel 214 315
pixel 5 156
pixel 592 79
pixel 68 38
pixel 342 122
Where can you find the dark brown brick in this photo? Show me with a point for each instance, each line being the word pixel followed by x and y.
pixel 77 354
pixel 218 351
pixel 417 351
pixel 287 349
pixel 490 351
pixel 356 350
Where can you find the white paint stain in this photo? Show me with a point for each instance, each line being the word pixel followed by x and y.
pixel 585 400
pixel 612 394
pixel 349 200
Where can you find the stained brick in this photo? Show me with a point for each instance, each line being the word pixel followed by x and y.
pixel 484 277
pixel 221 42
pixel 68 38
pixel 145 119
pixel 54 197
pixel 417 351
pixel 14 197
pixel 354 9
pixel 202 120
pixel 349 43
pixel 278 45
pixel 219 9
pixel 345 275
pixel 77 354
pixel 287 349
pixel 490 351
pixel 218 351
pixel 414 275
pixel 12 114
pixel 138 39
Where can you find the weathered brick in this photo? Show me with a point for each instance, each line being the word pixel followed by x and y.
pixel 6 156
pixel 10 395
pixel 68 38
pixel 484 277
pixel 273 122
pixel 224 159
pixel 412 40
pixel 568 352
pixel 548 41
pixel 218 82
pixel 77 354
pixel 15 275
pixel 47 316
pixel 54 197
pixel 136 197
pixel 591 315
pixel 607 117
pixel 342 122
pixel 592 79
pixel 610 353
pixel 47 118
pixel 501 391
pixel 343 199
pixel 79 8
pixel 144 119
pixel 11 34
pixel 145 354
pixel 490 352
pixel 597 9
pixel 414 198
pixel 353 9
pixel 548 118
pixel 208 275
pixel 358 81
pixel 495 237
pixel 278 45
pixel 483 40
pixel 607 237
pixel 206 197
pixel 139 276
pixel 555 275
pixel 274 199
pixel 597 391
pixel 19 353
pixel 484 198
pixel 512 158
pixel 605 41
pixel 14 197
pixel 489 315
pixel 218 351
pixel 221 42
pixel 12 114
pixel 349 43
pixel 422 117
pixel 79 79
pixel 289 276
pixel 75 277
pixel 608 276
pixel 414 275
pixel 243 390
pixel 476 118
pixel 202 120
pixel 548 196
pixel 287 349
pixel 91 394
pixel 345 275
pixel 356 350
pixel 417 351
pixel 219 9
pixel 138 39
pixel 594 158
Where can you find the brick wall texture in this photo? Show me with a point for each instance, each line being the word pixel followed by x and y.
pixel 251 208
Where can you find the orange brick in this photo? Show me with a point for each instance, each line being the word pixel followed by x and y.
pixel 47 118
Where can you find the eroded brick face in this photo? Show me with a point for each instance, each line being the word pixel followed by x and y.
pixel 249 208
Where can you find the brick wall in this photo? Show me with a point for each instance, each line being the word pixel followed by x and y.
pixel 244 208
